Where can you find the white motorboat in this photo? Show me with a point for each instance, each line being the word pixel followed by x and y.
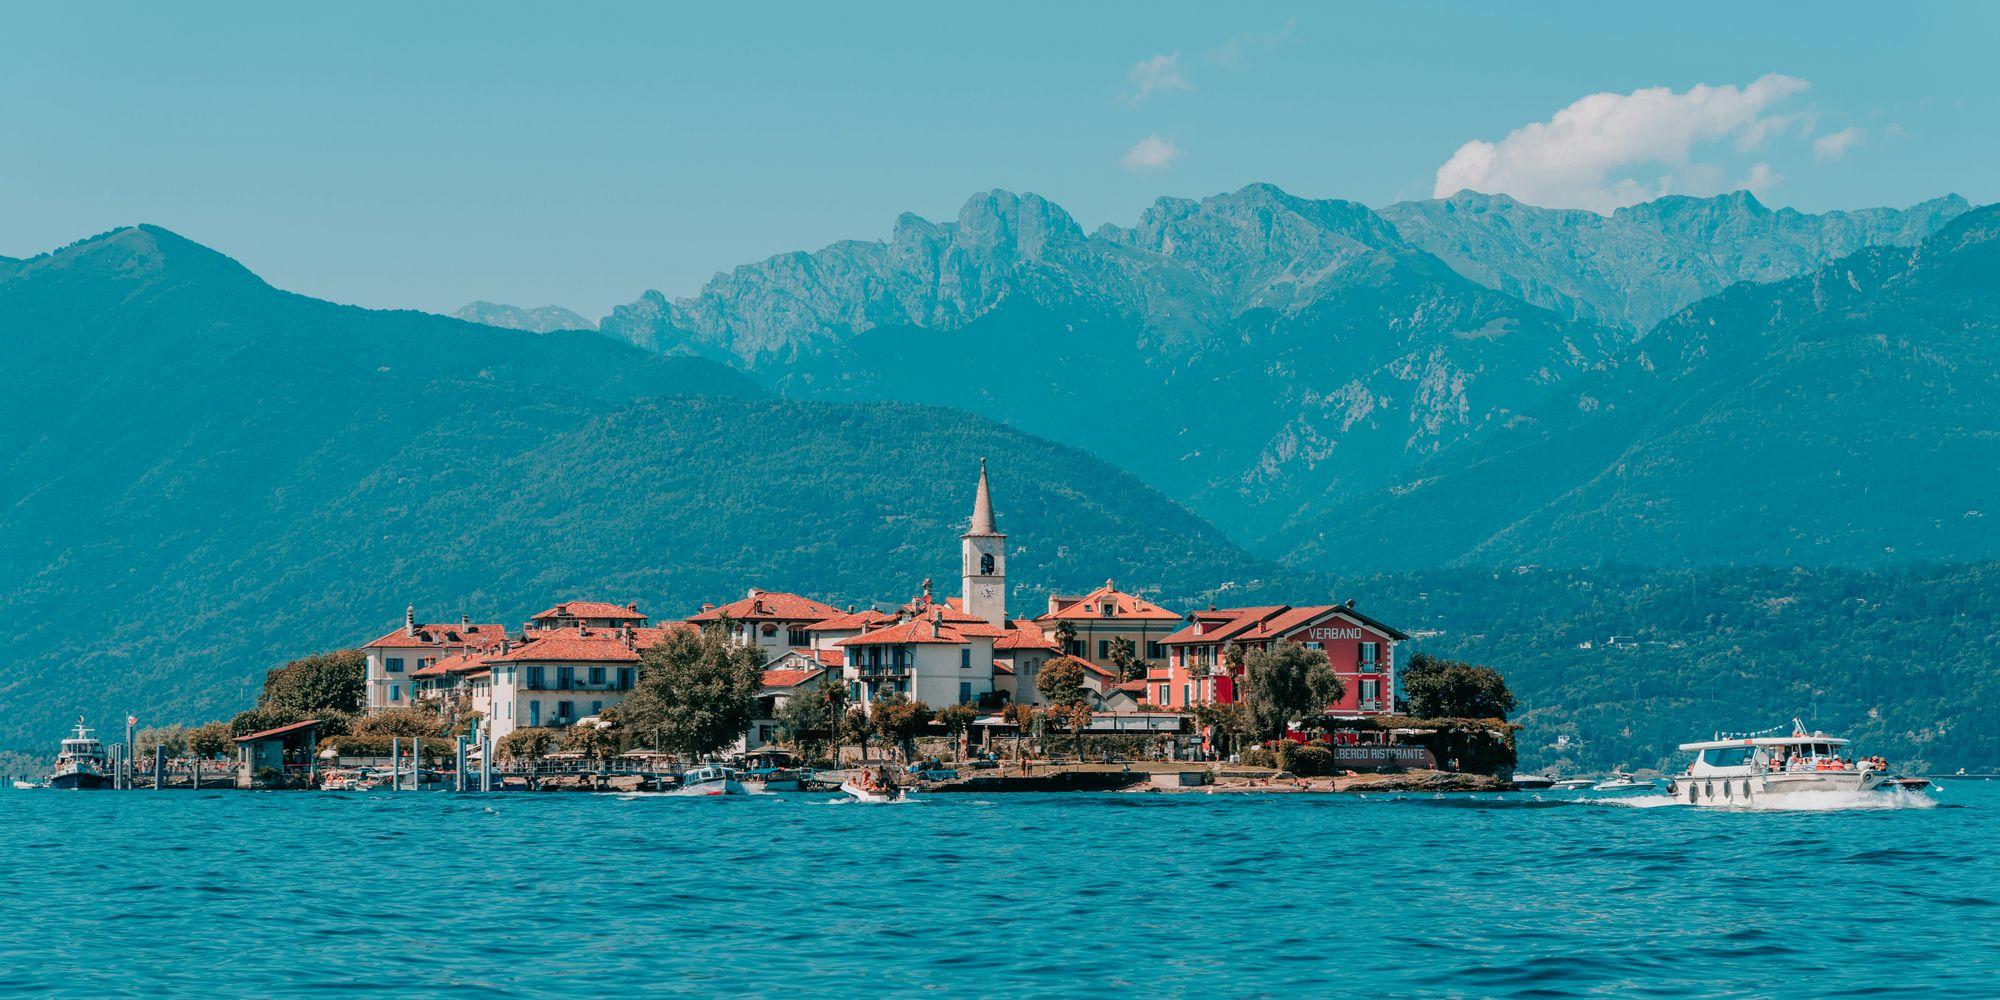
pixel 1572 784
pixel 1778 770
pixel 1622 782
pixel 872 784
pixel 709 779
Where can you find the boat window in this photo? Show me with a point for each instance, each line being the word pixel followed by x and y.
pixel 1726 756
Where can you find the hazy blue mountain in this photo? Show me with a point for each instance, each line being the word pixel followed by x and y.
pixel 536 319
pixel 206 476
pixel 1845 417
pixel 1241 351
pixel 1642 263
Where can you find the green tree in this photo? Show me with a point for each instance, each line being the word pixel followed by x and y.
pixel 595 742
pixel 318 683
pixel 1125 659
pixel 698 690
pixel 1060 682
pixel 1066 636
pixel 408 723
pixel 527 744
pixel 211 740
pixel 173 738
pixel 1437 688
pixel 808 717
pixel 957 720
pixel 897 720
pixel 256 720
pixel 1286 681
pixel 855 722
pixel 1073 718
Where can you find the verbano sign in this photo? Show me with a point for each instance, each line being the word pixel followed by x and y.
pixel 1324 633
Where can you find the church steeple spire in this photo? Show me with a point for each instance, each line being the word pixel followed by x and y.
pixel 983 580
pixel 982 507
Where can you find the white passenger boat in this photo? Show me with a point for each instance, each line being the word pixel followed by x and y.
pixel 709 779
pixel 1780 770
pixel 82 763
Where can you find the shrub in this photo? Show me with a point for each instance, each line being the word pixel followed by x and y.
pixel 1259 757
pixel 1311 761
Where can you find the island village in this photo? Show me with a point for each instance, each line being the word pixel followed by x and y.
pixel 1126 692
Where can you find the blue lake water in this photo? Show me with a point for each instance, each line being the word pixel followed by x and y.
pixel 277 894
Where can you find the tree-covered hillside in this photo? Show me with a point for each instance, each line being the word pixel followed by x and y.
pixel 205 476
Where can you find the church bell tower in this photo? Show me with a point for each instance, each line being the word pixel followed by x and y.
pixel 983 551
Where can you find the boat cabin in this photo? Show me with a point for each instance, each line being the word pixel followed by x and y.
pixel 1761 754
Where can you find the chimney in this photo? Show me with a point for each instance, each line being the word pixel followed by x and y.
pixel 1350 602
pixel 632 606
pixel 410 619
pixel 464 621
pixel 708 607
pixel 927 590
pixel 756 592
pixel 936 618
pixel 505 645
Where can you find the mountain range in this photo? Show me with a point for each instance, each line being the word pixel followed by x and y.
pixel 535 319
pixel 1758 439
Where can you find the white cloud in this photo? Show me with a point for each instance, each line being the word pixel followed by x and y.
pixel 1761 180
pixel 1158 74
pixel 1607 150
pixel 1150 155
pixel 1835 145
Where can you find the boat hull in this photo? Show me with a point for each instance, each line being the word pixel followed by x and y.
pixel 79 779
pixel 1749 789
pixel 718 786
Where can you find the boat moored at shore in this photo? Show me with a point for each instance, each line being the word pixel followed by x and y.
pixel 81 764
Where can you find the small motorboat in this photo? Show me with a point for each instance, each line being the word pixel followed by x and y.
pixel 1573 784
pixel 25 785
pixel 1533 782
pixel 872 784
pixel 709 779
pixel 1622 782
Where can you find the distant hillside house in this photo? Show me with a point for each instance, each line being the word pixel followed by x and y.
pixel 1106 614
pixel 395 657
pixel 1360 649
pixel 1019 654
pixel 791 675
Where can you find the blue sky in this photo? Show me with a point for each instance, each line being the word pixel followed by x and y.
pixel 423 155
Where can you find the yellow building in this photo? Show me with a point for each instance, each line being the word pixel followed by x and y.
pixel 1105 614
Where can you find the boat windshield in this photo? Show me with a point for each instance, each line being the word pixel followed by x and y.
pixel 1727 756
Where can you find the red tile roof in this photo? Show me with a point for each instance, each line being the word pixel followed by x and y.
pixel 770 605
pixel 789 678
pixel 1101 673
pixel 1134 687
pixel 1002 668
pixel 452 634
pixel 1125 605
pixel 457 663
pixel 1025 634
pixel 1262 624
pixel 593 609
pixel 1220 624
pixel 583 645
pixel 856 621
pixel 921 630
pixel 826 657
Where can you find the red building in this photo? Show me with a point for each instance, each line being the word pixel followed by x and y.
pixel 1361 650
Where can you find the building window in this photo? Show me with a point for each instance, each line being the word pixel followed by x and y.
pixel 565 711
pixel 565 678
pixel 534 713
pixel 596 675
pixel 395 665
pixel 1166 695
pixel 1370 692
pixel 1369 651
pixel 1315 645
pixel 1187 694
pixel 986 564
pixel 395 692
pixel 596 707
pixel 797 637
pixel 965 659
pixel 964 692
pixel 1075 647
pixel 624 678
pixel 1104 649
pixel 534 678
pixel 1110 610
pixel 1154 651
